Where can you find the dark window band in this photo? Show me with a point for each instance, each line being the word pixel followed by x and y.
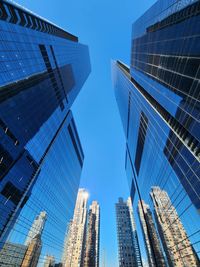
pixel 58 71
pixel 128 119
pixel 185 13
pixel 12 193
pixel 141 140
pixel 189 141
pixel 77 137
pixel 179 74
pixel 8 132
pixel 6 161
pixel 75 145
pixel 23 18
pixel 12 89
pixel 52 77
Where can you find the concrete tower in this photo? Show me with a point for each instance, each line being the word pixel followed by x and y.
pixel 91 256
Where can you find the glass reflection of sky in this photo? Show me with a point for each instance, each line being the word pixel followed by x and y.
pixel 155 169
pixel 55 192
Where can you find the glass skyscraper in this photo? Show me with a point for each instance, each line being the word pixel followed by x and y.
pixel 128 246
pixel 42 69
pixel 159 100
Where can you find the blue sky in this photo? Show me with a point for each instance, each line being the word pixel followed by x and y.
pixel 105 26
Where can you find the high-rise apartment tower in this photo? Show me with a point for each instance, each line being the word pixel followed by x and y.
pixel 128 246
pixel 73 254
pixel 91 254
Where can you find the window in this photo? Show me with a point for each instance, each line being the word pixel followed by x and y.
pixel 12 193
pixel 141 140
pixel 75 145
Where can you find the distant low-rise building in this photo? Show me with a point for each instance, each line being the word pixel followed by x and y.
pixel 12 254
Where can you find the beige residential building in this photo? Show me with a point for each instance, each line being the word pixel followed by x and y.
pixel 74 242
pixel 91 255
pixel 176 243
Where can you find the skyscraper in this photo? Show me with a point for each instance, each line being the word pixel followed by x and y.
pixel 158 100
pixel 155 256
pixel 73 254
pixel 43 68
pixel 91 254
pixel 128 247
pixel 175 241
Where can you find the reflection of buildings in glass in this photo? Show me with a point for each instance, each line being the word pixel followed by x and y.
pixel 49 261
pixel 74 243
pixel 162 88
pixel 66 240
pixel 91 254
pixel 152 242
pixel 40 79
pixel 177 246
pixel 158 100
pixel 33 251
pixel 167 67
pixel 130 175
pixel 37 227
pixel 177 154
pixel 26 255
pixel 34 242
pixel 128 247
pixel 12 254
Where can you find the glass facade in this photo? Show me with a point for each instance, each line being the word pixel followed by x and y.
pixel 42 69
pixel 158 99
pixel 128 247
